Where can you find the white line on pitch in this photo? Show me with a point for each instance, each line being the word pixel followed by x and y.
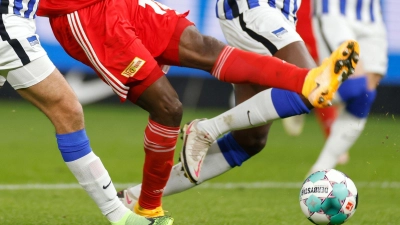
pixel 209 185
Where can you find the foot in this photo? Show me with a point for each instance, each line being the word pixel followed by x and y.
pixel 294 125
pixel 131 218
pixel 321 83
pixel 150 213
pixel 127 199
pixel 194 149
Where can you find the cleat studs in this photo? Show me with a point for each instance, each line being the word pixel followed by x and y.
pixel 348 64
pixel 350 45
pixel 329 103
pixel 344 76
pixel 325 92
pixel 356 57
pixel 345 52
pixel 321 100
pixel 338 65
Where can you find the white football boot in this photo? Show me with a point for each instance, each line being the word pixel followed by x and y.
pixel 194 148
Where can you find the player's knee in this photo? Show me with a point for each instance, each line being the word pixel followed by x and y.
pixel 73 110
pixel 254 141
pixel 170 110
pixel 255 145
pixel 66 115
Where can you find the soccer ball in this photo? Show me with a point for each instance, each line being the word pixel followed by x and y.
pixel 328 197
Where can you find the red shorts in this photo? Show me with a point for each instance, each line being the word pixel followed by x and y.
pixel 125 43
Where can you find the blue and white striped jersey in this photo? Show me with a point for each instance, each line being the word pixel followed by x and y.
pixel 229 9
pixel 23 8
pixel 362 10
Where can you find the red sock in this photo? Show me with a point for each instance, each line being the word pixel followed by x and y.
pixel 159 145
pixel 326 116
pixel 237 66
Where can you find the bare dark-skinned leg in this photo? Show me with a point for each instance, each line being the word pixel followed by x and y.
pixel 160 136
pixel 162 103
pixel 198 51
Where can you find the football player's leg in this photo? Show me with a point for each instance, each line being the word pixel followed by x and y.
pixel 349 124
pixel 240 124
pixel 38 81
pixel 118 73
pixel 240 145
pixel 165 109
pixel 215 164
pixel 54 97
pixel 357 95
pixel 285 103
pixel 232 65
pixel 265 106
pixel 202 50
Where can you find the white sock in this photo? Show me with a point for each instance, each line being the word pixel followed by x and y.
pixel 344 133
pixel 94 178
pixel 214 165
pixel 256 111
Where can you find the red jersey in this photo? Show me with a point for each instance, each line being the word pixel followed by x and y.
pixel 52 8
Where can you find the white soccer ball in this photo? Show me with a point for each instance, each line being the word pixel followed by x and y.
pixel 328 197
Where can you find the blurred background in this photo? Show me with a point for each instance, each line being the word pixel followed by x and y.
pixel 197 88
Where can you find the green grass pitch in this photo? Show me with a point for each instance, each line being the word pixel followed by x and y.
pixel 262 191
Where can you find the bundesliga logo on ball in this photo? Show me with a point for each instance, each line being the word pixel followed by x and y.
pixel 328 197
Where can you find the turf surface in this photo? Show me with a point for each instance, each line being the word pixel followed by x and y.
pixel 29 155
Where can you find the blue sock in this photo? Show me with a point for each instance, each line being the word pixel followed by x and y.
pixel 74 145
pixel 234 154
pixel 287 103
pixel 354 92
